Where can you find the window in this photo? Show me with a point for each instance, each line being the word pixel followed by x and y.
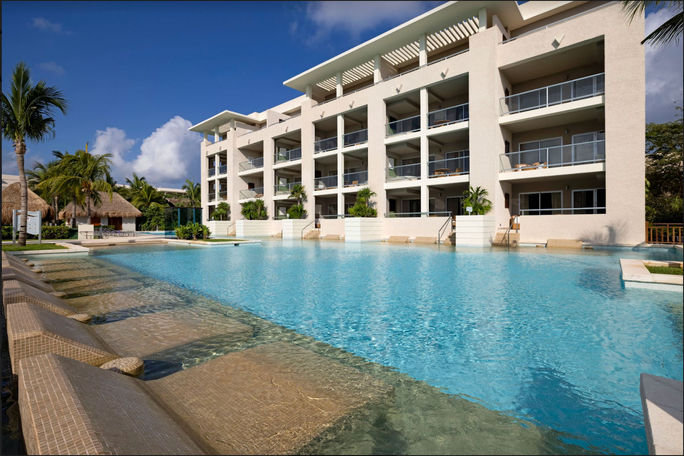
pixel 589 201
pixel 540 203
pixel 454 204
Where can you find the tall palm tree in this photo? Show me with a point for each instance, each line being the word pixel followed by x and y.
pixel 193 192
pixel 670 30
pixel 27 114
pixel 298 193
pixel 146 195
pixel 86 174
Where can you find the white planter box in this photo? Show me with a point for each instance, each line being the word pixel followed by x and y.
pixel 292 228
pixel 362 229
pixel 475 230
pixel 219 227
pixel 86 231
pixel 257 228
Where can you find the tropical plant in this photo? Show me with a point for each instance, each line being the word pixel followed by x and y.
pixel 297 211
pixel 193 192
pixel 145 196
pixel 154 217
pixel 192 231
pixel 477 199
pixel 362 207
pixel 27 114
pixel 670 30
pixel 221 212
pixel 254 210
pixel 42 172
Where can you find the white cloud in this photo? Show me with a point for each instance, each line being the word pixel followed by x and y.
pixel 43 24
pixel 663 72
pixel 52 67
pixel 166 158
pixel 9 161
pixel 357 17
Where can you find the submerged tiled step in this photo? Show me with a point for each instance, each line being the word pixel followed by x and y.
pixel 273 398
pixel 122 304
pixel 93 286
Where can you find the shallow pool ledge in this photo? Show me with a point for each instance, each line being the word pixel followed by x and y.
pixel 661 399
pixel 636 275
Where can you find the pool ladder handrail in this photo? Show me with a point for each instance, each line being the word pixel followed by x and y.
pixel 443 227
pixel 301 234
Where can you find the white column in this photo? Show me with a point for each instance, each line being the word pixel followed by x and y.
pixel 482 16
pixel 216 134
pixel 422 53
pixel 269 177
pixel 339 84
pixel 377 74
pixel 340 131
pixel 424 152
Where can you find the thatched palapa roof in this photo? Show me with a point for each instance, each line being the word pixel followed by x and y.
pixel 11 199
pixel 117 206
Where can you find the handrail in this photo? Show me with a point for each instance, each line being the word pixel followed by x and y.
pixel 664 233
pixel 442 228
pixel 563 210
pixel 414 214
pixel 449 56
pixel 301 233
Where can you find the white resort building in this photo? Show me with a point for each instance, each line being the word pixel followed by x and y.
pixel 542 104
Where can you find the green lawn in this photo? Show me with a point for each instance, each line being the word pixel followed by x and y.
pixel 220 240
pixel 664 270
pixel 45 246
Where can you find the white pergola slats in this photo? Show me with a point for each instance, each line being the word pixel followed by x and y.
pixel 406 53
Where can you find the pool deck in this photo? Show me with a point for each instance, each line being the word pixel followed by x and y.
pixel 662 401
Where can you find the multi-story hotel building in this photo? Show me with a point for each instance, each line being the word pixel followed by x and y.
pixel 542 104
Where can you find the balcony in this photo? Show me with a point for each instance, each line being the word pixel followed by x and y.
pixel 357 178
pixel 223 195
pixel 407 125
pixel 252 164
pixel 552 157
pixel 284 189
pixel 449 166
pixel 288 155
pixel 565 92
pixel 355 137
pixel 448 116
pixel 212 195
pixel 411 171
pixel 256 192
pixel 223 169
pixel 325 183
pixel 212 172
pixel 325 145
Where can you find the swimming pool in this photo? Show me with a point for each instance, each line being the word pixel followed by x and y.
pixel 549 337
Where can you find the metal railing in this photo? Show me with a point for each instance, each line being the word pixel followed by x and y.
pixel 418 214
pixel 281 189
pixel 448 57
pixel 449 166
pixel 552 157
pixel 448 116
pixel 564 210
pixel 325 182
pixel 252 164
pixel 256 192
pixel 664 233
pixel 410 70
pixel 355 137
pixel 400 172
pixel 212 195
pixel 450 222
pixel 555 94
pixel 406 125
pixel 333 216
pixel 324 145
pixel 357 178
pixel 223 169
pixel 212 171
pixel 288 155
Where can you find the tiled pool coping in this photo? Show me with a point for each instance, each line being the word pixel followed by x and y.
pixel 661 399
pixel 636 275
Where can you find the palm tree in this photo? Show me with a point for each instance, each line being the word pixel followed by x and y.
pixel 477 199
pixel 193 192
pixel 298 193
pixel 27 114
pixel 364 195
pixel 40 173
pixel 83 175
pixel 221 211
pixel 146 195
pixel 670 30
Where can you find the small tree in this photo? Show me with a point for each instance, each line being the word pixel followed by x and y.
pixel 154 217
pixel 297 211
pixel 221 212
pixel 254 210
pixel 362 206
pixel 477 199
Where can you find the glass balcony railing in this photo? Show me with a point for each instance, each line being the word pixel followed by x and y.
pixel 284 189
pixel 355 137
pixel 448 116
pixel 223 169
pixel 325 183
pixel 400 172
pixel 212 194
pixel 256 192
pixel 223 195
pixel 564 92
pixel 212 172
pixel 357 178
pixel 288 155
pixel 252 164
pixel 325 145
pixel 450 166
pixel 403 125
pixel 551 157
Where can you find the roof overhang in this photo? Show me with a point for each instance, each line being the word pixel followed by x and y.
pixel 219 119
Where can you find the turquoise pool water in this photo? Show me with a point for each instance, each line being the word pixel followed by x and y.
pixel 550 337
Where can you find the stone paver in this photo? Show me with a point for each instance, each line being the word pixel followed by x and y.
pixel 662 401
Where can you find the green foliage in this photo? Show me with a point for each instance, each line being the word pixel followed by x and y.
pixel 362 207
pixel 254 210
pixel 154 217
pixel 664 183
pixel 193 231
pixel 48 232
pixel 664 270
pixel 221 212
pixel 193 192
pixel 298 193
pixel 46 246
pixel 296 211
pixel 670 30
pixel 477 199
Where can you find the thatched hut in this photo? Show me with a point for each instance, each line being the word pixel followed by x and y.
pixel 115 211
pixel 11 199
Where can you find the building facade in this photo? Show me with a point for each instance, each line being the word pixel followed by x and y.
pixel 542 104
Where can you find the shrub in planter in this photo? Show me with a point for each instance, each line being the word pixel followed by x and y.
pixel 296 211
pixel 193 231
pixel 362 206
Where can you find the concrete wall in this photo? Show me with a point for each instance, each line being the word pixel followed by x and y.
pixel 475 230
pixel 219 227
pixel 361 229
pixel 332 226
pixel 257 228
pixel 292 228
pixel 413 226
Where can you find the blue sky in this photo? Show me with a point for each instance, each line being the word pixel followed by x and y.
pixel 137 74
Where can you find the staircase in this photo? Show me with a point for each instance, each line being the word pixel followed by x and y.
pixel 508 237
pixel 312 234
